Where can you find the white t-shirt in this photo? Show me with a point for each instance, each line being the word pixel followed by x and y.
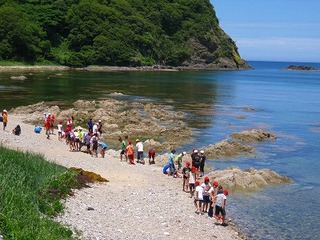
pixel 199 193
pixel 139 146
pixel 220 198
pixel 95 128
pixel 59 127
pixel 206 189
pixel 192 178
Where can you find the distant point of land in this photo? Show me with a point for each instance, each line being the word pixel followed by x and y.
pixel 302 68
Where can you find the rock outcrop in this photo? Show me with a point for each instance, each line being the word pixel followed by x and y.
pixel 250 179
pixel 227 149
pixel 255 135
pixel 301 68
pixel 165 127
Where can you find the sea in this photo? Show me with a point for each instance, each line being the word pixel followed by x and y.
pixel 283 102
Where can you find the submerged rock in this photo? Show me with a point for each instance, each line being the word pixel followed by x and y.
pixel 255 135
pixel 227 149
pixel 249 179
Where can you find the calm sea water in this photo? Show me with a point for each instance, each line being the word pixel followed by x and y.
pixel 286 103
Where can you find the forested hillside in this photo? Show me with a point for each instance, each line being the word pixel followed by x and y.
pixel 115 33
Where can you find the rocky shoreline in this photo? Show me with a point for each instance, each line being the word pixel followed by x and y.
pixel 138 202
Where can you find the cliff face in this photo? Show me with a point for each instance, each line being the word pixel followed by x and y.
pixel 178 33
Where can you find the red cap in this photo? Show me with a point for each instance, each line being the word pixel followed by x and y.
pixel 206 178
pixel 197 183
pixel 215 183
pixel 130 142
pixel 193 168
pixel 225 192
pixel 187 163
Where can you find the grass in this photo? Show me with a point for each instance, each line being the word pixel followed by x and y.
pixel 17 63
pixel 30 190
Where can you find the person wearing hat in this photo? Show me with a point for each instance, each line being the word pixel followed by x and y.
pixel 198 198
pixel 4 119
pixel 212 197
pixel 178 160
pixel 186 174
pixel 196 161
pixel 221 200
pixel 206 193
pixel 152 154
pixel 139 146
pixel 192 180
pixel 202 162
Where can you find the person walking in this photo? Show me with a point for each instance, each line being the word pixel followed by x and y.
pixel 4 119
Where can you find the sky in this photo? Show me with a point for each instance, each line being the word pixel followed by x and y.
pixel 272 30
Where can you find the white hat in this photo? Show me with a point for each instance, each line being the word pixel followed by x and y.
pixel 99 120
pixel 184 153
pixel 201 151
pixel 195 151
pixel 4 110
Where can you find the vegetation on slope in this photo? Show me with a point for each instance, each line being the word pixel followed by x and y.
pixel 29 195
pixel 114 33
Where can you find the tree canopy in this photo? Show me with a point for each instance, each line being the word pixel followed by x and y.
pixel 112 32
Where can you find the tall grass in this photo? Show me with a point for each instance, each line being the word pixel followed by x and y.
pixel 27 199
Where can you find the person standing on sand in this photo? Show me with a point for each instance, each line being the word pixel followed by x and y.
pixel 59 130
pixel 198 198
pixel 130 153
pixel 90 125
pixel 220 212
pixel 192 180
pixel 139 146
pixel 171 162
pixel 186 174
pixel 202 162
pixel 212 197
pixel 4 119
pixel 47 125
pixel 123 149
pixel 206 193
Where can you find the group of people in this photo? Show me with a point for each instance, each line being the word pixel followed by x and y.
pixel 128 150
pixel 77 137
pixel 209 198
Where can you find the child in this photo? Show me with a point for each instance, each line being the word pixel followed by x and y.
pixel 198 198
pixel 130 153
pixel 59 130
pixel 186 174
pixel 17 130
pixel 220 212
pixel 171 162
pixel 212 197
pixel 103 148
pixel 192 180
pixel 123 149
pixel 206 188
pixel 152 153
pixel 178 160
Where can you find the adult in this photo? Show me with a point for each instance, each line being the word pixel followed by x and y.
pixel 95 129
pixel 196 160
pixel 103 147
pixel 202 162
pixel 123 149
pixel 139 146
pixel 171 162
pixel 90 125
pixel 130 152
pixel 4 118
pixel 178 160
pixel 100 127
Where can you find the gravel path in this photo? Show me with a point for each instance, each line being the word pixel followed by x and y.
pixel 139 202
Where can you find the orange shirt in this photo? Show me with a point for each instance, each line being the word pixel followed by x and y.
pixel 130 150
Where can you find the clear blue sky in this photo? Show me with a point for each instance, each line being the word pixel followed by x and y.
pixel 278 30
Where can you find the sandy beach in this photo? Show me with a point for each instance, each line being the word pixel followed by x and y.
pixel 139 202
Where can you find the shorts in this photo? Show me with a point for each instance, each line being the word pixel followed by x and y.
pixel 220 210
pixel 206 199
pixel 123 152
pixel 191 186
